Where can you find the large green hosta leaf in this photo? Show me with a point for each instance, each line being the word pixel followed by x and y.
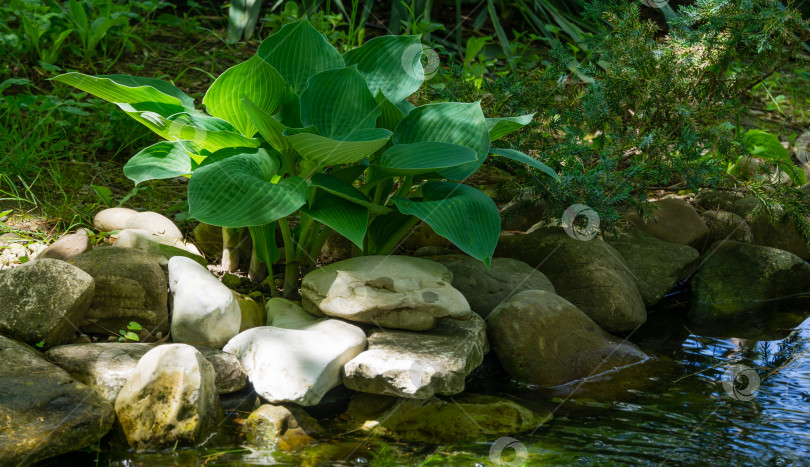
pixel 238 191
pixel 162 86
pixel 525 159
pixel 254 79
pixel 448 122
pixel 142 94
pixel 298 51
pixel 500 127
pixel 159 161
pixel 460 213
pixel 346 191
pixel 424 157
pixel 271 129
pixel 338 102
pixel 202 132
pixel 348 149
pixel 345 217
pixel 390 64
pixel 386 231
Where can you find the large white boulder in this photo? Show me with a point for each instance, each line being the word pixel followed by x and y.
pixel 297 365
pixel 170 398
pixel 204 311
pixel 389 291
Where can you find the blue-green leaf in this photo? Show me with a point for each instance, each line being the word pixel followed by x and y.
pixel 500 127
pixel 525 159
pixel 338 102
pixel 424 157
pixel 390 64
pixel 238 191
pixel 448 122
pixel 345 217
pixel 298 51
pixel 254 79
pixel 158 161
pixel 460 213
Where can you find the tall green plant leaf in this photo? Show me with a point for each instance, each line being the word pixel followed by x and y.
pixel 424 157
pixel 338 102
pixel 448 122
pixel 298 51
pixel 346 150
pixel 159 161
pixel 500 127
pixel 129 90
pixel 518 156
pixel 202 132
pixel 242 18
pixel 254 79
pixel 239 192
pixel 390 64
pixel 460 213
pixel 345 217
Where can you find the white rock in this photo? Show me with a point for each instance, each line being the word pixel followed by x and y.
pixel 154 223
pixel 170 398
pixel 204 311
pixel 113 219
pixel 163 245
pixel 389 291
pixel 297 365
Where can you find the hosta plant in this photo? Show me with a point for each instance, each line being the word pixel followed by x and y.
pixel 301 133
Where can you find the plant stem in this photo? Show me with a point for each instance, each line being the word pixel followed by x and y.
pixel 291 266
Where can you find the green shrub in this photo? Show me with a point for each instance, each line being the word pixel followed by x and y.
pixel 337 143
pixel 659 113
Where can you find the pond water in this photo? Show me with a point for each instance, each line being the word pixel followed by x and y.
pixel 679 409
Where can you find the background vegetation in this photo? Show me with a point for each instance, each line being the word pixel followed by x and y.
pixel 630 101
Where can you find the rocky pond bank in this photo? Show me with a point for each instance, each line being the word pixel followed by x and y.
pixel 377 345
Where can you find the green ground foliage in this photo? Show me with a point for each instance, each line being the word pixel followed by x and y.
pixel 628 101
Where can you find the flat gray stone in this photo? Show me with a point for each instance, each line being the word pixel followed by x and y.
pixel 419 364
pixel 390 291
